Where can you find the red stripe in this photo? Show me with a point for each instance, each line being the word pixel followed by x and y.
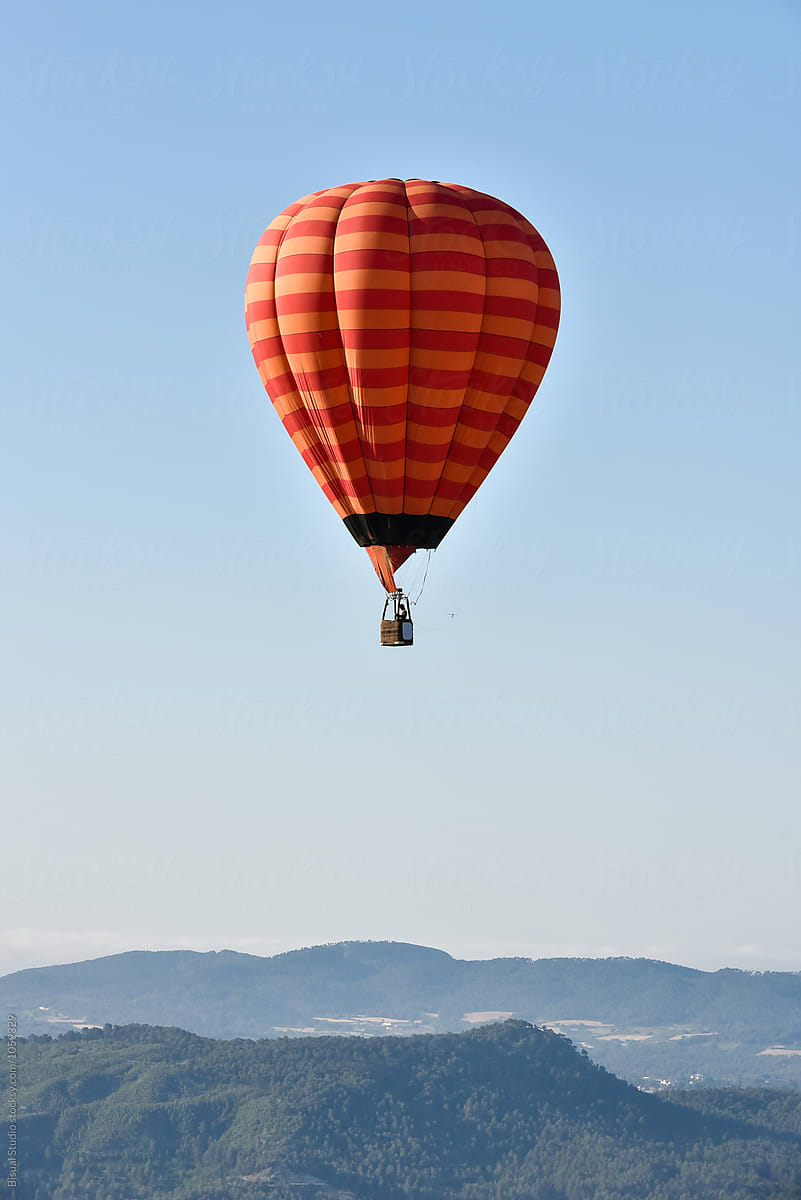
pixel 329 199
pixel 433 378
pixel 449 260
pixel 378 195
pixel 524 390
pixel 321 381
pixel 331 494
pixel 377 377
pixel 262 351
pixel 444 339
pixel 259 310
pixel 347 492
pixel 536 240
pixel 344 452
pixel 343 489
pixel 486 460
pixel 466 494
pixel 374 260
pixel 539 354
pixel 304 264
pixel 424 300
pixel 447 490
pixel 511 306
pixel 464 456
pixel 371 223
pixel 305 302
pixel 512 268
pixel 280 385
pixel 392 414
pixel 420 489
pixel 328 418
pixel 261 272
pixel 501 233
pixel 384 299
pixel 267 348
pixel 507 425
pixel 384 452
pixel 271 237
pixel 313 342
pixel 424 452
pixel 491 383
pixel 434 418
pixel 375 339
pixel 463 227
pixel 477 418
pixel 547 316
pixel 472 456
pixel 307 227
pixel 435 194
pixel 504 346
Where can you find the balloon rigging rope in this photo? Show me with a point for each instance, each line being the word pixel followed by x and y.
pixel 423 584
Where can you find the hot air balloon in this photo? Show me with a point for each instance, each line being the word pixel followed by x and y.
pixel 401 329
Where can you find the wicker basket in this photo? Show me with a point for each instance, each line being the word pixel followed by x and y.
pixel 397 633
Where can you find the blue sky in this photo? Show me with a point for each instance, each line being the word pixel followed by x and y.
pixel 592 748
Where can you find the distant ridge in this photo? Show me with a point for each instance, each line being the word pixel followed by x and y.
pixel 641 1017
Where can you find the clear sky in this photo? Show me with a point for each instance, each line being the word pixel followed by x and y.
pixel 592 748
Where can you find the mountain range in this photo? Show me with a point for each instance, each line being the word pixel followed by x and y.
pixel 655 1023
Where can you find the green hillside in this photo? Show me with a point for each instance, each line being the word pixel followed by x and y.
pixel 503 1111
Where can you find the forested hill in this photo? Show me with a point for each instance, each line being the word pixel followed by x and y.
pixel 226 994
pixel 504 1110
pixel 643 1019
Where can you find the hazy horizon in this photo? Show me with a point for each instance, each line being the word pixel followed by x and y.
pixel 101 944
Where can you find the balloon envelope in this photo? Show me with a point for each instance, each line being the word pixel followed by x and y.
pixel 401 329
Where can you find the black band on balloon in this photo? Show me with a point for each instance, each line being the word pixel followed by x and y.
pixel 398 529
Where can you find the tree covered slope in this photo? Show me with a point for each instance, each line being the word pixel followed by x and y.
pixel 506 1110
